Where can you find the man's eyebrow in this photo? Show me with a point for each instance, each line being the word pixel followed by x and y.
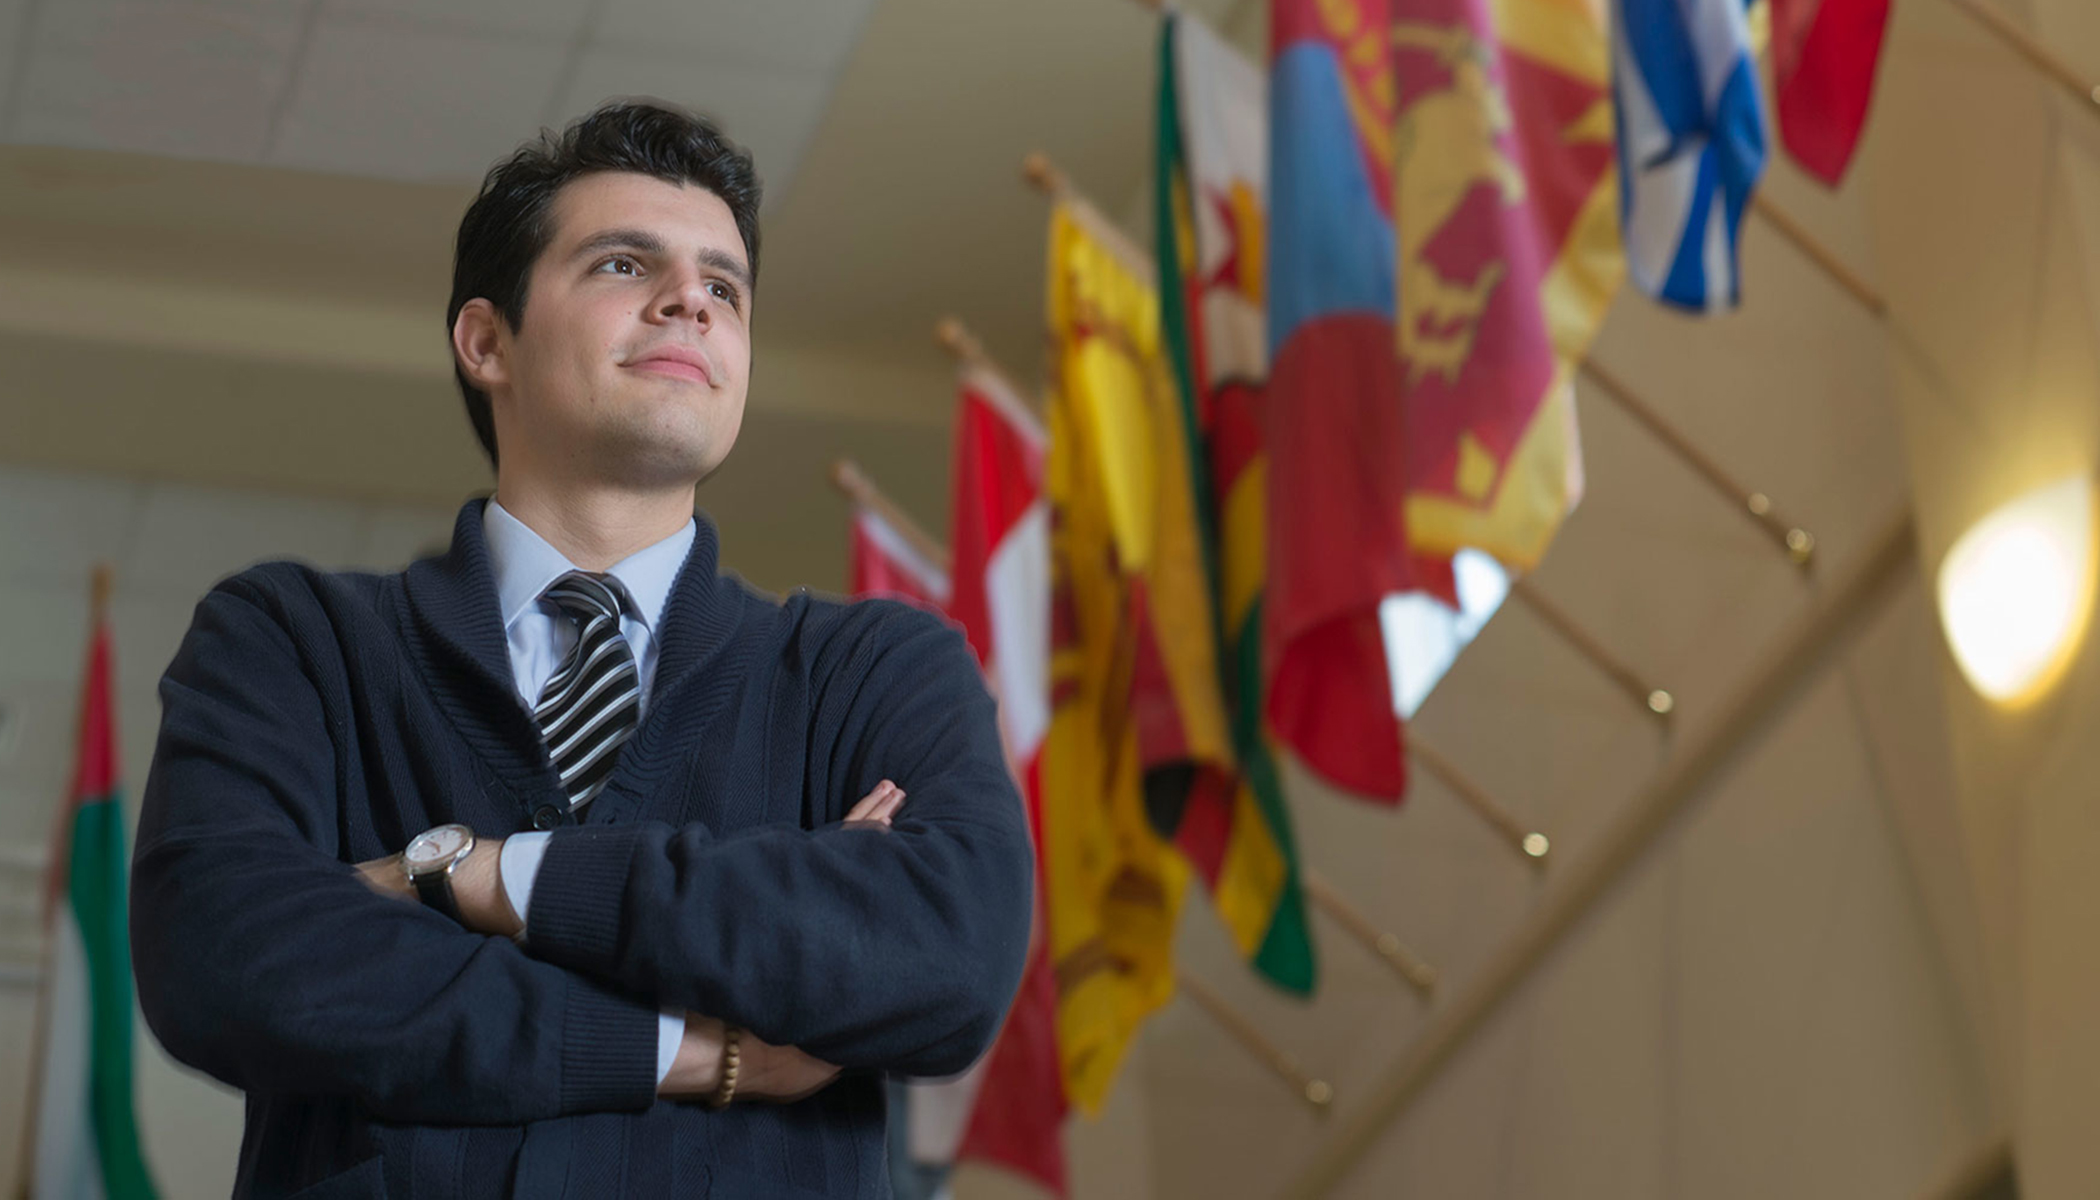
pixel 727 263
pixel 644 242
pixel 620 239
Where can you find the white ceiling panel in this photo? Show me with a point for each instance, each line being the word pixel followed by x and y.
pixel 775 33
pixel 771 112
pixel 414 103
pixel 542 20
pixel 189 79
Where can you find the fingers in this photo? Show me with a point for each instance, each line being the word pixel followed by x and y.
pixel 385 876
pixel 878 805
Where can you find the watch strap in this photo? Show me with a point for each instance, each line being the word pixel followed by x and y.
pixel 435 889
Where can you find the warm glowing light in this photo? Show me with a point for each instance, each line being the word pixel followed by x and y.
pixel 2016 588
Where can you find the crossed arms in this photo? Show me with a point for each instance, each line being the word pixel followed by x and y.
pixel 265 960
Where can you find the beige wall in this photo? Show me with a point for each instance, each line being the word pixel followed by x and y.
pixel 1986 217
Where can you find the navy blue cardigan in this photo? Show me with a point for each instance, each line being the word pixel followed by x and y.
pixel 313 720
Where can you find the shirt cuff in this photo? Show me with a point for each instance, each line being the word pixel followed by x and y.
pixel 519 867
pixel 670 1032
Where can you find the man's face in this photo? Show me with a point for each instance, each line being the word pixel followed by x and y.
pixel 634 355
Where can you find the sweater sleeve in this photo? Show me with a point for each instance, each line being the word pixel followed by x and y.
pixel 895 948
pixel 264 961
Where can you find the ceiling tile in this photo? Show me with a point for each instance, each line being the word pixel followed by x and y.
pixel 542 20
pixel 186 79
pixel 414 104
pixel 782 33
pixel 770 112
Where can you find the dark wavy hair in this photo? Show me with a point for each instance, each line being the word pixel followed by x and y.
pixel 508 227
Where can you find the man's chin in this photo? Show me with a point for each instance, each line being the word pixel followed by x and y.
pixel 651 464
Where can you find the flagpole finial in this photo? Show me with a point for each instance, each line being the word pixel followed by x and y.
pixel 1038 170
pixel 102 581
pixel 955 339
pixel 847 478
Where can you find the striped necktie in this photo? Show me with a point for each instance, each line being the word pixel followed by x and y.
pixel 590 707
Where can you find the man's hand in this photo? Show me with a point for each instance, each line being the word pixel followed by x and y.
pixel 878 806
pixel 766 1073
pixel 387 877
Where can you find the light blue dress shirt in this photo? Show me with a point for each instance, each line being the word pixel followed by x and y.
pixel 540 635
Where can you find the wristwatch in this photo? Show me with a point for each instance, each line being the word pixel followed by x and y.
pixel 429 860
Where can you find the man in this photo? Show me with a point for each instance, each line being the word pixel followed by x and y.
pixel 560 864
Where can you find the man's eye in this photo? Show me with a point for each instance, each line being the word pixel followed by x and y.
pixel 723 292
pixel 620 264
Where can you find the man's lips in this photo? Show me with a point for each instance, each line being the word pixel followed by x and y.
pixel 678 364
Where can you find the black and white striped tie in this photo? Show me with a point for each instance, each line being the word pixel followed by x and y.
pixel 590 707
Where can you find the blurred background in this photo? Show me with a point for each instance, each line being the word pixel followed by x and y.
pixel 1820 927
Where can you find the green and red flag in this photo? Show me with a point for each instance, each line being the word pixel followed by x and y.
pixel 1209 192
pixel 86 1134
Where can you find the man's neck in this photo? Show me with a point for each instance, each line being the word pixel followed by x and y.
pixel 596 527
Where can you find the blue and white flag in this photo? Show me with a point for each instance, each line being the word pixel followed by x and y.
pixel 1691 143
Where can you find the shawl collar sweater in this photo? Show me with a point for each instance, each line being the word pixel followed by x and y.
pixel 313 720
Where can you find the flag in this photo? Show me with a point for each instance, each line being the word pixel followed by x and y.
pixel 1691 142
pixel 1212 163
pixel 1133 671
pixel 882 561
pixel 1507 261
pixel 1332 421
pixel 1001 597
pixel 1508 257
pixel 87 1138
pixel 1824 53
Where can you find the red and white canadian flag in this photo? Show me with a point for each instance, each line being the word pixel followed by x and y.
pixel 1009 1109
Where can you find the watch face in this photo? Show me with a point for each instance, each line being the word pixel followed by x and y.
pixel 435 847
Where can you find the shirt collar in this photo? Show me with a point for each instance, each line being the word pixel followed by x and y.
pixel 525 565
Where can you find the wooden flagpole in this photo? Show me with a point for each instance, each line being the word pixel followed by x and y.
pixel 1799 543
pixel 956 338
pixel 1038 170
pixel 1525 840
pixel 1823 256
pixel 102 584
pixel 2031 50
pixel 1382 942
pixel 1791 664
pixel 1652 699
pixel 1318 1094
pixel 857 487
pixel 846 476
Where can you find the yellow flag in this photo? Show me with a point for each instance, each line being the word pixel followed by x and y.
pixel 1133 670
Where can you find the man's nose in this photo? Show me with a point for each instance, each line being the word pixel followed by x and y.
pixel 687 298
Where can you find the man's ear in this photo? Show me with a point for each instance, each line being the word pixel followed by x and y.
pixel 478 344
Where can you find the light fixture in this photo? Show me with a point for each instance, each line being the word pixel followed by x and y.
pixel 2015 590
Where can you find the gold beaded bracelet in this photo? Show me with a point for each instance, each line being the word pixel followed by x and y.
pixel 725 1091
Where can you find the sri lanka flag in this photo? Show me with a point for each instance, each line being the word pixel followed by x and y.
pixel 1332 420
pixel 1691 134
pixel 87 1136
